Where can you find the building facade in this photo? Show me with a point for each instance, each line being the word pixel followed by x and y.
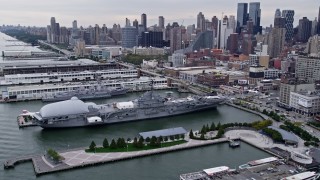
pixel 308 69
pixel 129 36
pixel 289 16
pixel 305 102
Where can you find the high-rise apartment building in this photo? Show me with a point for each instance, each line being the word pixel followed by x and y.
pixel 53 30
pixel 215 24
pixel 128 22
pixel 232 43
pixel 129 36
pixel 314 27
pixel 319 21
pixel 144 21
pixel 279 22
pixel 289 16
pixel 161 22
pixel 242 15
pixel 175 39
pixel 304 29
pixel 275 41
pixel 199 16
pixel 277 13
pixel 97 34
pixel 255 16
pixel 232 23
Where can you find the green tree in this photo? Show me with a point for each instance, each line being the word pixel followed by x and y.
pixel 207 128
pixel 191 136
pixel 166 138
pixel 105 143
pixel 147 139
pixel 141 139
pixel 153 141
pixel 202 136
pixel 220 133
pixel 135 142
pixel 92 146
pixel 129 139
pixel 218 126
pixel 121 143
pixel 203 129
pixel 160 138
pixel 113 144
pixel 265 111
pixel 212 127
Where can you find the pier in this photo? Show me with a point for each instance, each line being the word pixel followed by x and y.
pixel 78 158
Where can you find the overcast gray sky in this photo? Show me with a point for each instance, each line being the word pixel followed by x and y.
pixel 90 12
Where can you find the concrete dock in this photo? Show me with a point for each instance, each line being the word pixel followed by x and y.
pixel 79 158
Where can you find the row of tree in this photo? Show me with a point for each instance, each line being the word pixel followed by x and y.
pixel 137 143
pixel 273 115
pixel 258 125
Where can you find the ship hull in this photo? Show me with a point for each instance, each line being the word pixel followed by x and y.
pixel 138 115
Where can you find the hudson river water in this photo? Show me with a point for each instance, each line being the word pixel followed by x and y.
pixel 33 140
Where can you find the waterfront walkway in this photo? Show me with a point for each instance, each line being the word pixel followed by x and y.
pixel 79 158
pixel 262 141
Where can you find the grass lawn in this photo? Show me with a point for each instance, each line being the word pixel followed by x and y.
pixel 132 148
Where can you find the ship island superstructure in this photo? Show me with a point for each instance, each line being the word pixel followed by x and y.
pixel 76 113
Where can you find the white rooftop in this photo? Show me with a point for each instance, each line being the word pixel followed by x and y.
pixel 262 161
pixel 301 176
pixel 215 170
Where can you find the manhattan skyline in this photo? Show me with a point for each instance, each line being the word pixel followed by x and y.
pixel 37 12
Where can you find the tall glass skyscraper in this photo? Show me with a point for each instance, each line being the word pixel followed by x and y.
pixel 255 16
pixel 242 13
pixel 289 16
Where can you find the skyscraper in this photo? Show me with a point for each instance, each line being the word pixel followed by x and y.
pixel 144 21
pixel 277 13
pixel 128 22
pixel 289 16
pixel 242 12
pixel 161 22
pixel 201 22
pixel 304 29
pixel 314 28
pixel 215 24
pixel 135 23
pixel 129 36
pixel 276 39
pixel 175 39
pixel 97 34
pixel 53 29
pixel 255 16
pixel 319 21
pixel 279 22
pixel 232 23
